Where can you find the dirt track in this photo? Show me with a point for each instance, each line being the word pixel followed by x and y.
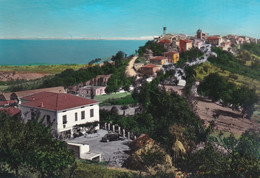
pixel 130 72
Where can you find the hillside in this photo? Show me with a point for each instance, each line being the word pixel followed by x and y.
pixel 234 70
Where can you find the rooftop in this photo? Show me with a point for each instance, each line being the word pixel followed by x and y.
pixel 2 103
pixel 164 41
pixel 21 94
pixel 11 111
pixel 213 38
pixel 158 58
pixel 56 101
pixel 149 66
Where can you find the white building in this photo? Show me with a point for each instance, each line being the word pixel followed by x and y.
pixel 61 111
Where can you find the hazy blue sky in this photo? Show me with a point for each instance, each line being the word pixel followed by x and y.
pixel 126 18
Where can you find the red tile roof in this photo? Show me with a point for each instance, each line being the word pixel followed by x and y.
pixel 2 103
pixel 56 101
pixel 171 52
pixel 158 58
pixel 164 41
pixel 186 41
pixel 21 94
pixel 11 111
pixel 213 38
pixel 149 66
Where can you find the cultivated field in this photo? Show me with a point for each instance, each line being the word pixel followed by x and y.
pixel 225 118
pixel 50 69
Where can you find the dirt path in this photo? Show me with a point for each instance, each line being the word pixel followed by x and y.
pixel 130 72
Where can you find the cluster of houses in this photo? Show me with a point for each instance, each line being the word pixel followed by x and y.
pixel 178 43
pixel 90 88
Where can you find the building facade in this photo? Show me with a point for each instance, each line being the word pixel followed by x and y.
pixel 149 70
pixel 184 45
pixel 172 57
pixel 214 40
pixel 158 60
pixel 88 91
pixel 60 111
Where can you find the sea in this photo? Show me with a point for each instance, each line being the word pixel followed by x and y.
pixel 50 52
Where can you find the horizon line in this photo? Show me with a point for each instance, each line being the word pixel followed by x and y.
pixel 78 38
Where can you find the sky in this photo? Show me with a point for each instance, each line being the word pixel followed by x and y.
pixel 126 18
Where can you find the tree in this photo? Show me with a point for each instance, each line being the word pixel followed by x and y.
pixel 157 49
pixel 12 140
pixel 45 154
pixel 32 145
pixel 118 58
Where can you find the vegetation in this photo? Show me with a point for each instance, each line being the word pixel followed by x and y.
pixel 97 170
pixel 140 60
pixel 151 158
pixel 52 69
pixel 188 56
pixel 190 79
pixel 157 49
pixel 173 110
pixel 111 96
pixel 29 150
pixel 31 146
pixel 225 157
pixel 70 77
pixel 252 47
pixel 118 78
pixel 21 85
pixel 216 87
pixel 227 61
pixel 94 61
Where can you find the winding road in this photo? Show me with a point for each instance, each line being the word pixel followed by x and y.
pixel 130 72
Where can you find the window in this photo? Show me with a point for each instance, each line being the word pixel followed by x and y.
pixel 64 118
pixel 76 116
pixel 91 112
pixel 82 114
pixel 48 120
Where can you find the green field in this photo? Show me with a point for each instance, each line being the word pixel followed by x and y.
pixel 52 69
pixel 101 98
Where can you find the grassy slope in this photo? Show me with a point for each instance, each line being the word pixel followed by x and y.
pixel 88 169
pixel 127 100
pixel 249 63
pixel 102 98
pixel 241 80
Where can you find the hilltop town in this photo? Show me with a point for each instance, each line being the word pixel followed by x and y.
pixel 179 99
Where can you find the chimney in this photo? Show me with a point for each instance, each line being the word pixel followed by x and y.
pixel 42 105
pixel 33 98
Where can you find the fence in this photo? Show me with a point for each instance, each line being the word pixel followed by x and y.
pixel 125 133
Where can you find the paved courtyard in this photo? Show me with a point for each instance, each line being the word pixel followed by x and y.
pixel 114 152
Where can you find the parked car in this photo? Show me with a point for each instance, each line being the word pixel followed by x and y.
pixel 110 137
